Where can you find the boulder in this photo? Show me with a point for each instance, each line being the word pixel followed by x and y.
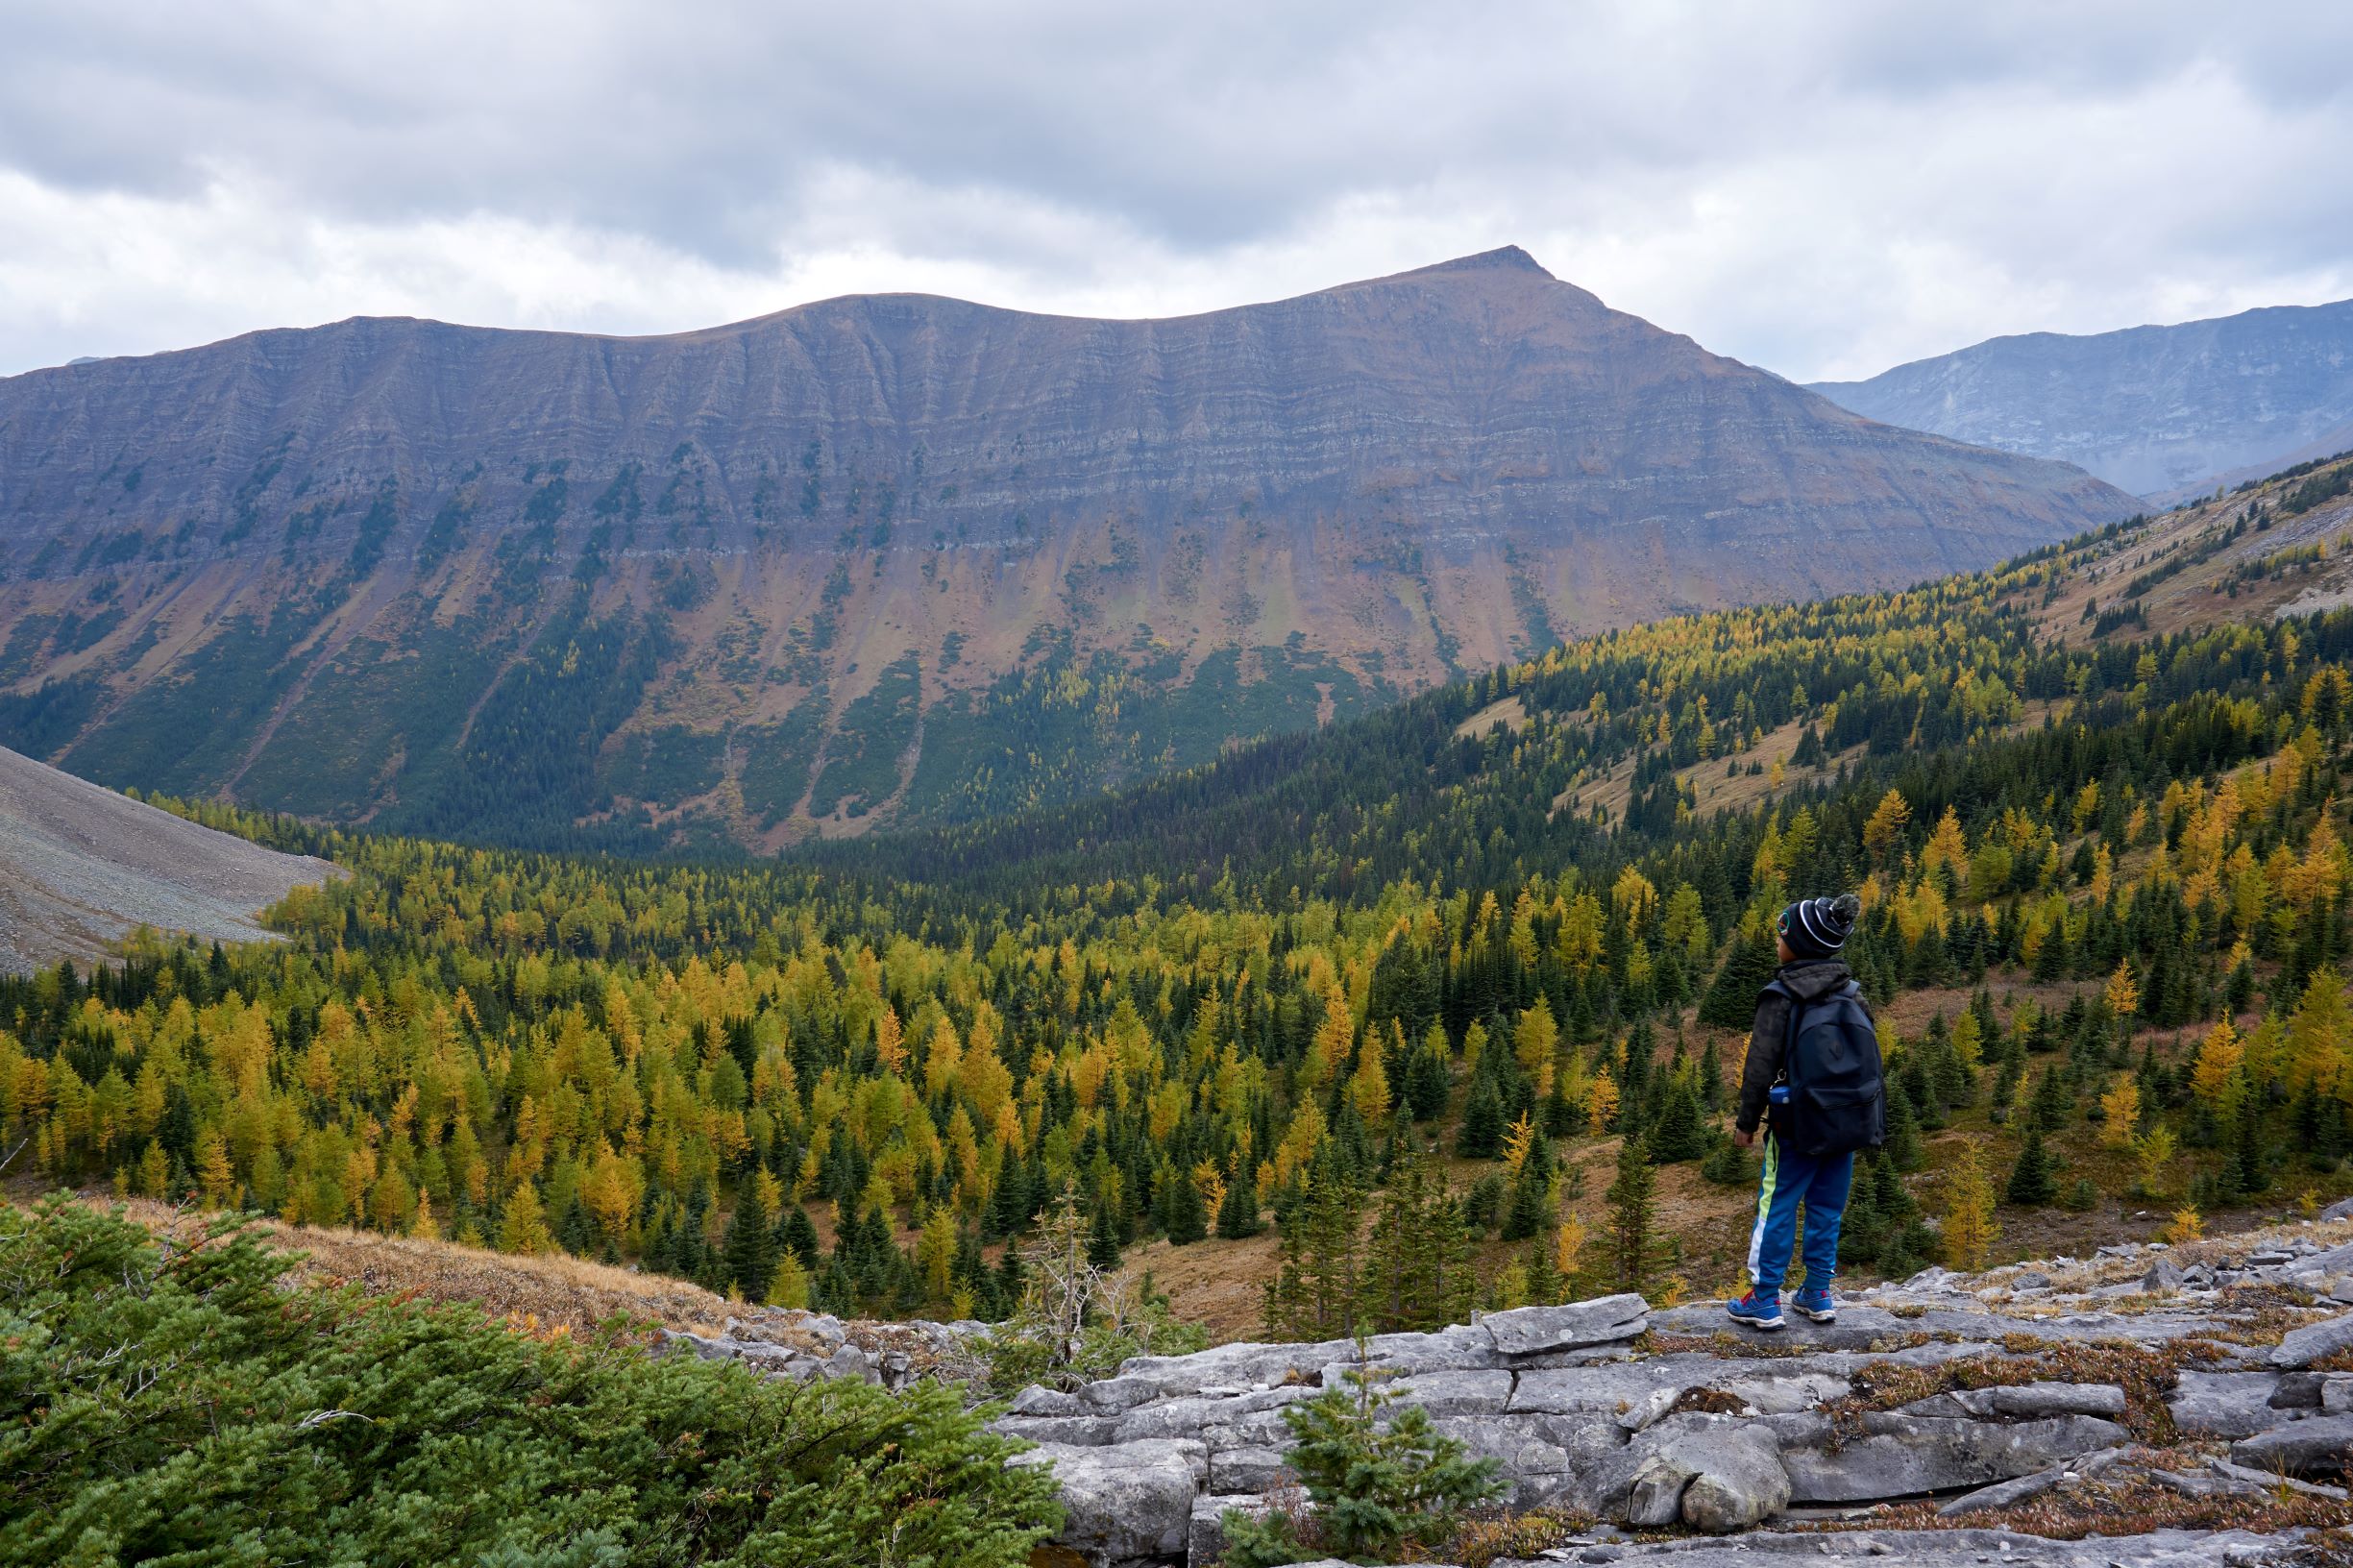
pixel 2163 1275
pixel 1578 1461
pixel 2271 1481
pixel 2301 1347
pixel 1647 1411
pixel 1247 1429
pixel 2223 1403
pixel 1536 1331
pixel 1125 1503
pixel 1959 1547
pixel 2318 1445
pixel 1244 1365
pixel 1070 1431
pixel 1038 1400
pixel 1168 1418
pixel 2297 1392
pixel 1716 1474
pixel 1739 1481
pixel 707 1349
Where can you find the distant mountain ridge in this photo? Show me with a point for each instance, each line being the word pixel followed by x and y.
pixel 896 556
pixel 2156 411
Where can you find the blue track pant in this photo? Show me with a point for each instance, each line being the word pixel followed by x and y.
pixel 1790 1179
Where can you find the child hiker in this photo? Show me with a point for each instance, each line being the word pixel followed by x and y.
pixel 1814 1078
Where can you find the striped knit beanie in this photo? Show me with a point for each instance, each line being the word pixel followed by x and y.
pixel 1818 927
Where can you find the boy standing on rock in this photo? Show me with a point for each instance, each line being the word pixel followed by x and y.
pixel 1814 1078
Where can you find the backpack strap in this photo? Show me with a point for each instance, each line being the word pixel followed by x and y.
pixel 1789 1030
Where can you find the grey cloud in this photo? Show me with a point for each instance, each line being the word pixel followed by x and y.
pixel 2065 155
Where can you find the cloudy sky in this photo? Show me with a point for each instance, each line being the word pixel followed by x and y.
pixel 1820 186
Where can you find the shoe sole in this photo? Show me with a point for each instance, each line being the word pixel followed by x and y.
pixel 1766 1325
pixel 1830 1317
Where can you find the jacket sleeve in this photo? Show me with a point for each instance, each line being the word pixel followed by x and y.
pixel 1764 1058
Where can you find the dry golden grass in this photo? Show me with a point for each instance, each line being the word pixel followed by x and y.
pixel 1217 1284
pixel 1509 712
pixel 544 1293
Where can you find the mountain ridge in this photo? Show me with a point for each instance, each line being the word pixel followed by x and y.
pixel 898 554
pixel 2163 410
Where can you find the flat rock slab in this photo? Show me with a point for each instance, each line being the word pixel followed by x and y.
pixel 1539 1331
pixel 2301 1347
pixel 1957 1549
pixel 2226 1403
pixel 2318 1445
pixel 1903 1455
pixel 2026 1401
pixel 1857 1328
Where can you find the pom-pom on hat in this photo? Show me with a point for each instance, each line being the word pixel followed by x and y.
pixel 1819 927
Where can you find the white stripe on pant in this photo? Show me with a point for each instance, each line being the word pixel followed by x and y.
pixel 1764 1203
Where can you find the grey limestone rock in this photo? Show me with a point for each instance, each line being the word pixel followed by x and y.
pixel 2318 1445
pixel 1247 1469
pixel 2041 1399
pixel 1957 1548
pixel 1717 1476
pixel 2223 1403
pixel 1536 1331
pixel 1898 1454
pixel 1037 1399
pixel 1128 1503
pixel 2301 1347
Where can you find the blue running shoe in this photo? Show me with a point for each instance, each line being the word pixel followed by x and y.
pixel 1758 1312
pixel 1819 1305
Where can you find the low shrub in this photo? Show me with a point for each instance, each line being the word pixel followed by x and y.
pixel 185 1401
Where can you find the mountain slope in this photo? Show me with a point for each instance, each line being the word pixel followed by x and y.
pixel 2157 410
pixel 896 556
pixel 1536 764
pixel 81 866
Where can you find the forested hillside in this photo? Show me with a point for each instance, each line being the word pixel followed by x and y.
pixel 1423 970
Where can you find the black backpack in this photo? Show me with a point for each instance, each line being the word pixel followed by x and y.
pixel 1837 1085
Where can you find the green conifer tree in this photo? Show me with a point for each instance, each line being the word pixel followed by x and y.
pixel 2033 1181
pixel 749 1254
pixel 1731 1002
pixel 1481 1137
pixel 1530 1211
pixel 1633 1251
pixel 1238 1212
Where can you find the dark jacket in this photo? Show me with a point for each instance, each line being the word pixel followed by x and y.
pixel 1808 979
